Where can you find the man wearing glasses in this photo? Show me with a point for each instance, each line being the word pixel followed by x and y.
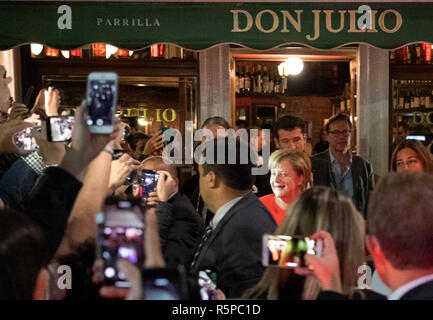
pixel 338 168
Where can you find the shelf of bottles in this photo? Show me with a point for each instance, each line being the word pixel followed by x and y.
pixel 259 78
pixel 106 51
pixel 412 95
pixel 419 53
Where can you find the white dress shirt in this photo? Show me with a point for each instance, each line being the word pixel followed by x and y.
pixel 221 212
pixel 397 294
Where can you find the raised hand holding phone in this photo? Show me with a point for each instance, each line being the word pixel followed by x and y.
pixel 101 97
pixel 326 267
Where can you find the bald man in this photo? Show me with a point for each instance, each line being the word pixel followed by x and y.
pixel 180 227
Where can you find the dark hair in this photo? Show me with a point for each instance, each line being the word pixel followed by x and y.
pixel 241 124
pixel 23 254
pixel 220 121
pixel 338 117
pixel 403 124
pixel 400 214
pixel 134 138
pixel 288 123
pixel 81 263
pixel 235 175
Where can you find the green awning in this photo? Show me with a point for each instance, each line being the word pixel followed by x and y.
pixel 133 25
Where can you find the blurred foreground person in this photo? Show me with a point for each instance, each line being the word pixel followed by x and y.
pixel 318 208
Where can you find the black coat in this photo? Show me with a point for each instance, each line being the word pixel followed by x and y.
pixel 180 229
pixel 234 248
pixel 362 177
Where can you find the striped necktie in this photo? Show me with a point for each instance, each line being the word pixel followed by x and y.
pixel 204 238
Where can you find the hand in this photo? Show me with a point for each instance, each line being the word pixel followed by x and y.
pixel 51 101
pixel 152 200
pixel 132 275
pixel 121 169
pixel 7 131
pixel 167 185
pixel 51 152
pixel 85 145
pixel 19 111
pixel 326 267
pixel 219 295
pixel 153 146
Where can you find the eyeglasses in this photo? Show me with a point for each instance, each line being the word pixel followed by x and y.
pixel 338 133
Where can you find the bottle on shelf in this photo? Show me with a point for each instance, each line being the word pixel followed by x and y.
pixel 247 83
pixel 265 80
pixel 237 80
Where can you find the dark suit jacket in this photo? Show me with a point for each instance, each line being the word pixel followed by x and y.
pixel 422 292
pixel 180 229
pixel 362 177
pixel 234 247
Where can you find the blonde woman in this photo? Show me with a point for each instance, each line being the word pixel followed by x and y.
pixel 318 208
pixel 290 175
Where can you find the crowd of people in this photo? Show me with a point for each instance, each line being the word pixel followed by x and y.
pixel 51 200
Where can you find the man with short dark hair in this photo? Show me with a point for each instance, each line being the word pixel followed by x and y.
pixel 400 234
pixel 232 243
pixel 338 168
pixel 289 133
pixel 400 133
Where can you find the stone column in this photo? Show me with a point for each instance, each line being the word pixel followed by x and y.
pixel 373 107
pixel 215 85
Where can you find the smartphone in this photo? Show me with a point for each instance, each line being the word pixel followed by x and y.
pixel 166 142
pixel 24 140
pixel 59 128
pixel 207 280
pixel 164 284
pixel 288 251
pixel 27 97
pixel 120 235
pixel 148 182
pixel 101 97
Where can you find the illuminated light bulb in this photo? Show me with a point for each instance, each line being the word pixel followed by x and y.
pixel 131 52
pixel 292 66
pixel 142 122
pixel 65 53
pixel 36 48
pixel 110 50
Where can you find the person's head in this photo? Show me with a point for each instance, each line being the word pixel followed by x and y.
pixel 401 132
pixel 5 94
pixel 158 163
pixel 241 124
pixel 260 142
pixel 411 155
pixel 23 258
pixel 137 141
pixel 400 227
pixel 338 130
pixel 289 133
pixel 321 208
pixel 225 170
pixel 218 125
pixel 290 173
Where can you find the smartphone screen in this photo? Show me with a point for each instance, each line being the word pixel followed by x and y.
pixel 60 128
pixel 120 235
pixel 207 280
pixel 148 182
pixel 287 251
pixel 101 100
pixel 163 284
pixel 24 140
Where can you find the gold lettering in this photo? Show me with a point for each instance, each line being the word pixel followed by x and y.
pixel 259 21
pixel 398 21
pixel 145 114
pixel 295 24
pixel 352 22
pixel 125 22
pixel 173 115
pixel 316 26
pixel 428 118
pixel 117 22
pixel 329 20
pixel 158 115
pixel 236 20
